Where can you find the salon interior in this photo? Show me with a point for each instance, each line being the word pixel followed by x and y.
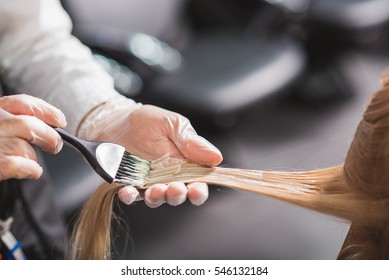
pixel 274 84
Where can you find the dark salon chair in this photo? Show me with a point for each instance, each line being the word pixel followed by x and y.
pixel 219 75
pixel 223 75
pixel 333 29
pixel 349 16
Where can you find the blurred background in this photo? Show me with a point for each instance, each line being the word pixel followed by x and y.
pixel 274 84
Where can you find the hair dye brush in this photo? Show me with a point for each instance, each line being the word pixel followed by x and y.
pixel 111 161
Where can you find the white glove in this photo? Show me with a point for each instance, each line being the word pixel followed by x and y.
pixel 152 133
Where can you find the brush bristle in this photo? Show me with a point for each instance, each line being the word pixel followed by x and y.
pixel 133 171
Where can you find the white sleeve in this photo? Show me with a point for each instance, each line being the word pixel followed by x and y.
pixel 39 56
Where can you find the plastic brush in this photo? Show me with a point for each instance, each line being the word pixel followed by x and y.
pixel 111 161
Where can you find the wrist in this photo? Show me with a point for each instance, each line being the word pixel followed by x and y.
pixel 96 121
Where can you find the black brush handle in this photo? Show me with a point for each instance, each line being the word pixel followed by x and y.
pixel 87 149
pixel 79 144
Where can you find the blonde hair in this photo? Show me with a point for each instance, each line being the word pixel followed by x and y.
pixel 357 190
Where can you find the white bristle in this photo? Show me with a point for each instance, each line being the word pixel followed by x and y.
pixel 133 171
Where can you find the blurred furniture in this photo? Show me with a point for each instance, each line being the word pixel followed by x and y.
pixel 350 17
pixel 224 74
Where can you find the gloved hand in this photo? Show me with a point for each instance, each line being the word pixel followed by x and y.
pixel 25 120
pixel 151 133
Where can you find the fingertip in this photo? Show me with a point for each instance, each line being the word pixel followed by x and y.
pixel 155 195
pixel 38 172
pixel 198 193
pixel 128 194
pixel 51 142
pixel 207 157
pixel 54 116
pixel 56 120
pixel 176 193
pixel 201 151
pixel 59 146
pixel 30 169
pixel 61 119
pixel 215 158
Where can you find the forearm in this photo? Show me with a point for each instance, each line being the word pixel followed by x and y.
pixel 40 57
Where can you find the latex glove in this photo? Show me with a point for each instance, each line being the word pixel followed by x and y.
pixel 151 133
pixel 25 120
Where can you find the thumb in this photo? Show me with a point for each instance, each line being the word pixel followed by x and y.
pixel 194 147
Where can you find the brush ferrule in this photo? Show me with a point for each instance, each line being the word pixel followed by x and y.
pixel 109 156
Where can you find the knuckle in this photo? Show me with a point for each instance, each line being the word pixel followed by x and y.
pixel 23 148
pixel 37 132
pixel 5 123
pixel 25 125
pixel 6 145
pixel 155 195
pixel 54 147
pixel 19 120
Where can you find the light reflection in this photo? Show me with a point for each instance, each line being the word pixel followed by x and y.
pixel 126 81
pixel 154 53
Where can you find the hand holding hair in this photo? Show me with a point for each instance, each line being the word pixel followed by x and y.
pixel 151 133
pixel 356 190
